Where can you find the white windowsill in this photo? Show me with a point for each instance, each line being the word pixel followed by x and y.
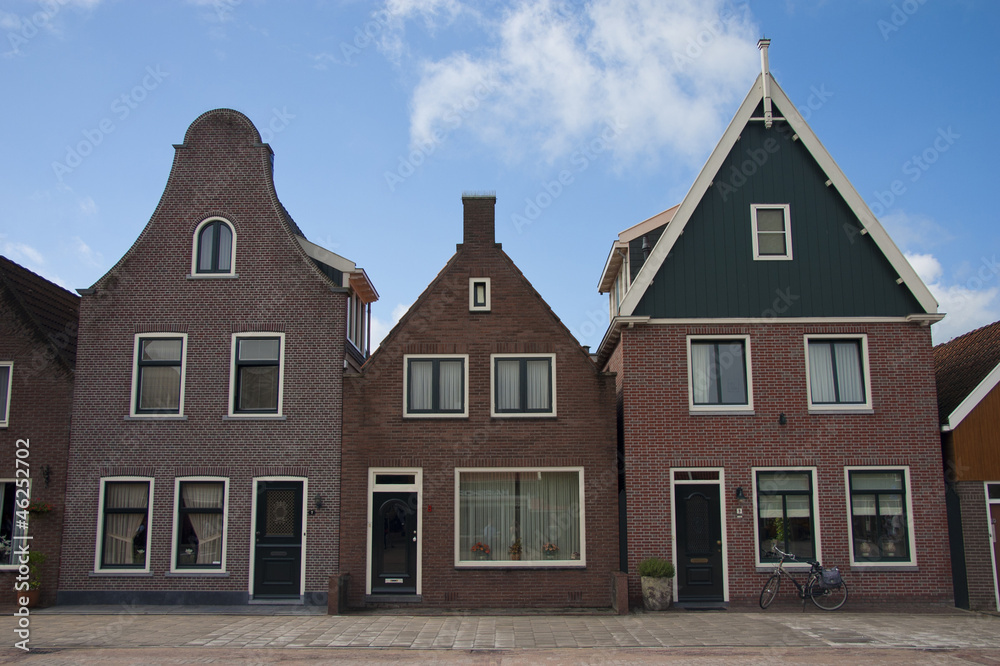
pixel 155 417
pixel 212 276
pixel 197 574
pixel 721 412
pixel 841 410
pixel 254 417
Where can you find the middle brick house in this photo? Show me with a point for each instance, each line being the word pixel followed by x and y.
pixel 479 462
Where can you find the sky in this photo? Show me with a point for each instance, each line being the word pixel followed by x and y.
pixel 381 114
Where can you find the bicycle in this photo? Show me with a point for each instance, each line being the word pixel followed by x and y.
pixel 827 598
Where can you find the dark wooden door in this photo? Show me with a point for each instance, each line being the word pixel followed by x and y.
pixel 394 543
pixel 278 540
pixel 995 518
pixel 698 521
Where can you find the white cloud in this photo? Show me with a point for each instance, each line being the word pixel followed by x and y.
pixel 968 306
pixel 380 328
pixel 87 206
pixel 909 231
pixel 20 253
pixel 668 70
pixel 88 254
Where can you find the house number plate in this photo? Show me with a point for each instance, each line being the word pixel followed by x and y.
pixel 393 580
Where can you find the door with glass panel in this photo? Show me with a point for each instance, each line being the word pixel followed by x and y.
pixel 394 543
pixel 278 540
pixel 993 497
pixel 698 523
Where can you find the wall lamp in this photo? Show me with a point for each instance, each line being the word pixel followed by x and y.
pixel 47 474
pixel 782 419
pixel 739 494
pixel 318 501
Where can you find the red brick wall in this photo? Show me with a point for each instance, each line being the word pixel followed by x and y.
pixel 660 433
pixel 40 404
pixel 582 433
pixel 219 171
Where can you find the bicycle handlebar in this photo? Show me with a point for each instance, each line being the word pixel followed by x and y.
pixel 791 556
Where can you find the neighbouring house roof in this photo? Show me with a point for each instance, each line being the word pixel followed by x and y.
pixel 967 369
pixel 52 310
pixel 838 180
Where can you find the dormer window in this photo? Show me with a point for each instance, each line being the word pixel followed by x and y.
pixel 214 245
pixel 479 294
pixel 772 234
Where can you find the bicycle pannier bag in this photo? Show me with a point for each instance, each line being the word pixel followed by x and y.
pixel 830 578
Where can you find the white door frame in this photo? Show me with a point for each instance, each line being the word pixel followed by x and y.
pixel 721 482
pixel 253 529
pixel 993 538
pixel 415 487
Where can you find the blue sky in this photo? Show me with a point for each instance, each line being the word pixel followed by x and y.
pixel 381 114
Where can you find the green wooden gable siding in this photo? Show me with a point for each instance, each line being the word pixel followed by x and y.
pixel 835 272
pixel 635 258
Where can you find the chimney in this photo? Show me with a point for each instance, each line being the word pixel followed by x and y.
pixel 765 70
pixel 480 218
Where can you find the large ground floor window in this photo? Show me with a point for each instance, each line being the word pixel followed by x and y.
pixel 511 517
pixel 785 513
pixel 879 524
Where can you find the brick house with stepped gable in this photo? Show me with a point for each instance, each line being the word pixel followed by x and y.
pixel 38 323
pixel 775 380
pixel 968 385
pixel 206 439
pixel 479 466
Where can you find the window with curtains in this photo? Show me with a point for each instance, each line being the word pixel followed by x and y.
pixel 214 247
pixel 158 374
pixel 6 372
pixel 879 524
pixel 200 524
pixel 785 513
pixel 837 372
pixel 435 385
pixel 125 523
pixel 257 375
pixel 520 516
pixel 719 373
pixel 12 529
pixel 523 385
pixel 772 234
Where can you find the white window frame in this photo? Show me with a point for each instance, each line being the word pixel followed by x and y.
pixel 435 357
pixel 521 564
pixel 911 528
pixel 233 414
pixel 416 487
pixel 723 513
pixel 5 421
pixel 26 483
pixel 194 251
pixel 788 232
pixel 253 528
pixel 356 321
pixel 994 537
pixel 789 564
pixel 100 525
pixel 521 415
pixel 133 410
pixel 472 295
pixel 177 525
pixel 721 409
pixel 845 407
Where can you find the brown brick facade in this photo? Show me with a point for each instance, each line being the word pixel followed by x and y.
pixel 660 433
pixel 222 169
pixel 582 434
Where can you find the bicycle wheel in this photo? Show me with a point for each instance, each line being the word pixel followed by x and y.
pixel 770 590
pixel 825 598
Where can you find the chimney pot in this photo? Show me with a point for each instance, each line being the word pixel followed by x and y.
pixel 479 218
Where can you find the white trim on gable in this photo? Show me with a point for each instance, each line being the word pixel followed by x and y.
pixel 825 161
pixel 973 399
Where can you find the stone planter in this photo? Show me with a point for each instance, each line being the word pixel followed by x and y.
pixel 32 595
pixel 657 593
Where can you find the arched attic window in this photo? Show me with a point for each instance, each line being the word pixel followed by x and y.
pixel 214 245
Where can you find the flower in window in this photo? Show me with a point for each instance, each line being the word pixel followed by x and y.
pixel 480 547
pixel 550 549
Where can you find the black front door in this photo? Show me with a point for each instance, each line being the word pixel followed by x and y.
pixel 699 542
pixel 394 543
pixel 278 539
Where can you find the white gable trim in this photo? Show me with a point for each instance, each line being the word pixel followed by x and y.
pixel 973 399
pixel 825 161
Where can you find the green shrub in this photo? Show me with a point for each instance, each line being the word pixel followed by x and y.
pixel 655 567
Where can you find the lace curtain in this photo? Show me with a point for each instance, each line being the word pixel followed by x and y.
pixel 121 529
pixel 207 526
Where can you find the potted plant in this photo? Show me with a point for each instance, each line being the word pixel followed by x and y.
pixel 481 550
pixel 550 551
pixel 657 583
pixel 515 550
pixel 40 507
pixel 35 562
